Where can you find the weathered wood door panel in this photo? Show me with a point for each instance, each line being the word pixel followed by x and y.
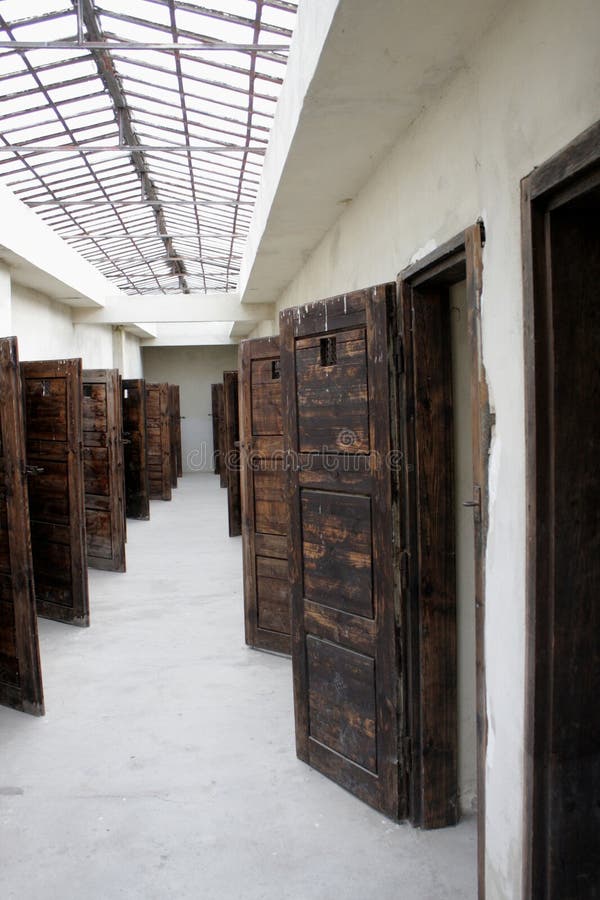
pixel 159 440
pixel 221 436
pixel 137 485
pixel 172 435
pixel 232 452
pixel 20 670
pixel 264 498
pixel 54 444
pixel 103 470
pixel 177 417
pixel 214 402
pixel 340 434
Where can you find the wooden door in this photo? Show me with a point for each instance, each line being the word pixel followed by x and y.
pixel 214 401
pixel 232 454
pixel 221 436
pixel 561 212
pixel 172 436
pixel 103 471
pixel 339 428
pixel 159 440
pixel 20 670
pixel 137 485
pixel 54 445
pixel 177 420
pixel 264 498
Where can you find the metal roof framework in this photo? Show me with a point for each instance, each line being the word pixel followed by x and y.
pixel 139 136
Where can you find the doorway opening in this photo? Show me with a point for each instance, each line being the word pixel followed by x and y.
pixel 445 439
pixel 561 256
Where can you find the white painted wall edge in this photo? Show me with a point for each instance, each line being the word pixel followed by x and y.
pixel 153 308
pixel 41 259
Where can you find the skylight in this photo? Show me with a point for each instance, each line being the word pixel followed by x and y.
pixel 84 82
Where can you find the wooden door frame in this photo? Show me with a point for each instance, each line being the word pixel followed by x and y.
pixel 29 696
pixel 457 260
pixel 561 178
pixel 143 509
pixel 109 378
pixel 231 393
pixel 256 636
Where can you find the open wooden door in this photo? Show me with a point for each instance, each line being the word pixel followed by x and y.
pixel 264 498
pixel 103 470
pixel 20 670
pixel 337 371
pixel 177 417
pixel 173 424
pixel 232 452
pixel 221 436
pixel 159 440
pixel 214 401
pixel 137 485
pixel 54 447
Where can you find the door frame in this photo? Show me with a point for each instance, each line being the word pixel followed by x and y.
pixel 566 174
pixel 454 261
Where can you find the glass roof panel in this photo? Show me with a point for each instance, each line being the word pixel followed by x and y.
pixel 128 183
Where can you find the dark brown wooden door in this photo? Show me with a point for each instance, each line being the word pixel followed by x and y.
pixel 232 454
pixel 159 440
pixel 214 400
pixel 264 498
pixel 221 436
pixel 172 436
pixel 103 471
pixel 340 435
pixel 177 417
pixel 54 445
pixel 137 485
pixel 20 670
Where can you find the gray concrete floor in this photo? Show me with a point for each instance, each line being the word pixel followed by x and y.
pixel 165 765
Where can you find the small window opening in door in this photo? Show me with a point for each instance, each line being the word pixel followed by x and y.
pixel 275 370
pixel 328 351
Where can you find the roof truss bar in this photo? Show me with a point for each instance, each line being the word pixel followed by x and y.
pixel 106 71
pixel 195 78
pixel 222 16
pixel 34 148
pixel 139 45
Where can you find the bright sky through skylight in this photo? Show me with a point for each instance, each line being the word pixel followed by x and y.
pixel 174 215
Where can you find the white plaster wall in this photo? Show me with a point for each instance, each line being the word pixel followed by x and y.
pixel 530 86
pixel 194 369
pixel 45 331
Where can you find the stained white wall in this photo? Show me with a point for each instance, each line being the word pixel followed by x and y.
pixel 194 369
pixel 45 330
pixel 530 86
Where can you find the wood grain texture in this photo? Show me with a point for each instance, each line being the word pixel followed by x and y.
pixel 158 435
pixel 338 433
pixel 232 452
pixel 174 433
pixel 267 612
pixel 137 484
pixel 53 400
pixel 561 257
pixel 20 670
pixel 427 526
pixel 103 469
pixel 214 406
